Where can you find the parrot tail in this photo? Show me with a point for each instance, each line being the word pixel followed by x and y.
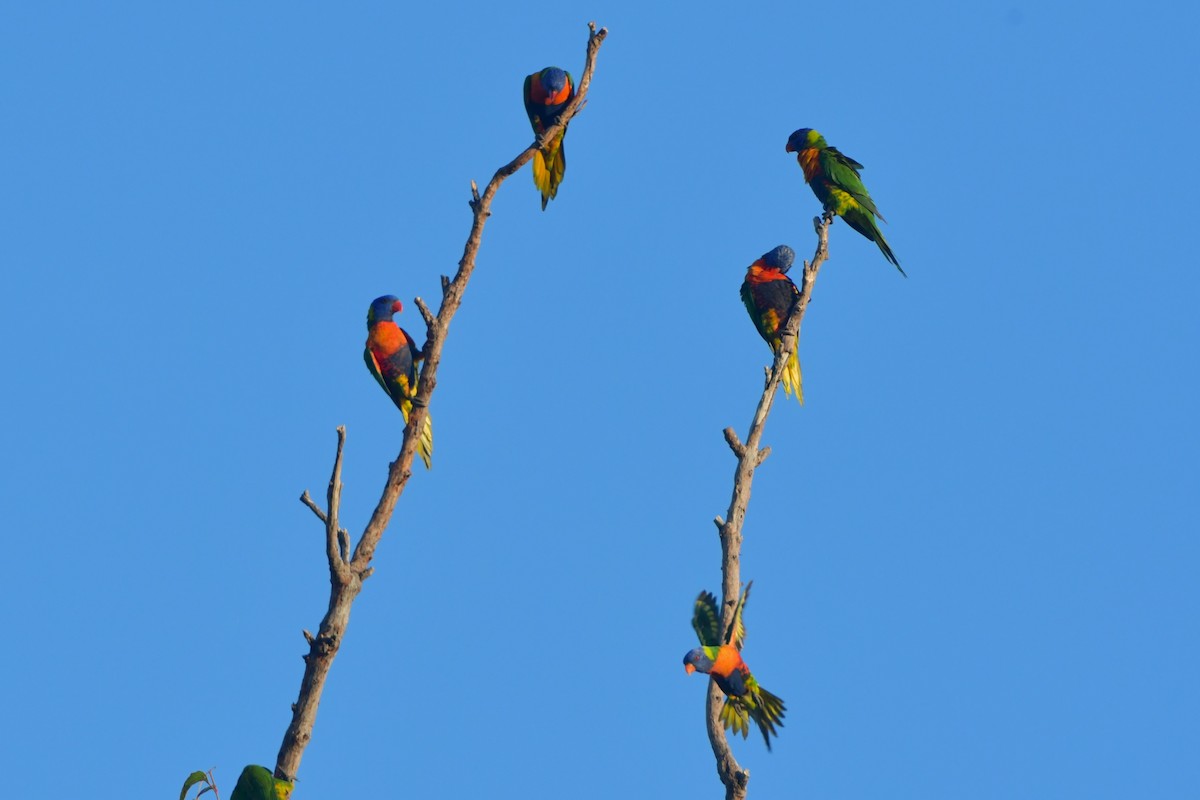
pixel 735 716
pixel 759 705
pixel 767 711
pixel 886 249
pixel 792 383
pixel 549 168
pixel 425 442
pixel 425 445
pixel 864 222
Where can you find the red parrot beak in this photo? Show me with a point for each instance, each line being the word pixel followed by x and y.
pixel 689 669
pixel 397 306
pixel 787 148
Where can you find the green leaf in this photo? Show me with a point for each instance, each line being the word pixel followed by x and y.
pixel 208 788
pixel 255 783
pixel 191 781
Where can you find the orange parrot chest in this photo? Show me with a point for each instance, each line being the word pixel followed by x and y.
pixel 538 93
pixel 386 338
pixel 727 660
pixel 809 162
pixel 763 275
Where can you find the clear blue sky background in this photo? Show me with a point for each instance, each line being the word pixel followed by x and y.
pixel 974 549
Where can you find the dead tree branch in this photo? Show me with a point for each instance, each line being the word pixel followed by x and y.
pixel 749 456
pixel 347 573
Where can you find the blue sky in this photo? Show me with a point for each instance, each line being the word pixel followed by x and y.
pixel 974 549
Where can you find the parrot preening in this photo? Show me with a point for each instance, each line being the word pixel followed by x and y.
pixel 392 357
pixel 770 295
pixel 835 181
pixel 721 658
pixel 547 93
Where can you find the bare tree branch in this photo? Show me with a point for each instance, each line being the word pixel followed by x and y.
pixel 343 534
pixel 347 572
pixel 333 499
pixel 316 509
pixel 749 457
pixel 481 208
pixel 427 315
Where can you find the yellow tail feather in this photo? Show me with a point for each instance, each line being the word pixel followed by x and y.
pixel 548 170
pixel 425 443
pixel 425 446
pixel 792 383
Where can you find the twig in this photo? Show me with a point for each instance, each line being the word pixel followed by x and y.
pixel 343 534
pixel 426 315
pixel 316 509
pixel 333 497
pixel 749 456
pixel 347 572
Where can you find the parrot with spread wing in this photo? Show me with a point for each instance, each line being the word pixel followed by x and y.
pixel 721 658
pixel 547 93
pixel 392 357
pixel 770 295
pixel 835 181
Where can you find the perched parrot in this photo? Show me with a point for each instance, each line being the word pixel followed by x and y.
pixel 769 295
pixel 835 181
pixel 257 783
pixel 392 358
pixel 721 658
pixel 546 95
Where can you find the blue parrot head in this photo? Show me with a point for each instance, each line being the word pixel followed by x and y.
pixel 696 660
pixel 382 309
pixel 804 139
pixel 554 80
pixel 781 258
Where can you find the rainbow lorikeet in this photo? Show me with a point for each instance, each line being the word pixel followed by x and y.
pixel 392 358
pixel 835 181
pixel 257 783
pixel 546 94
pixel 721 658
pixel 770 295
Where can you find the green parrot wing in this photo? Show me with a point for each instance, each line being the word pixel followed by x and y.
pixel 769 305
pixel 255 783
pixel 706 620
pixel 736 635
pixel 847 160
pixel 842 172
pixel 752 309
pixel 373 366
pixel 530 107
